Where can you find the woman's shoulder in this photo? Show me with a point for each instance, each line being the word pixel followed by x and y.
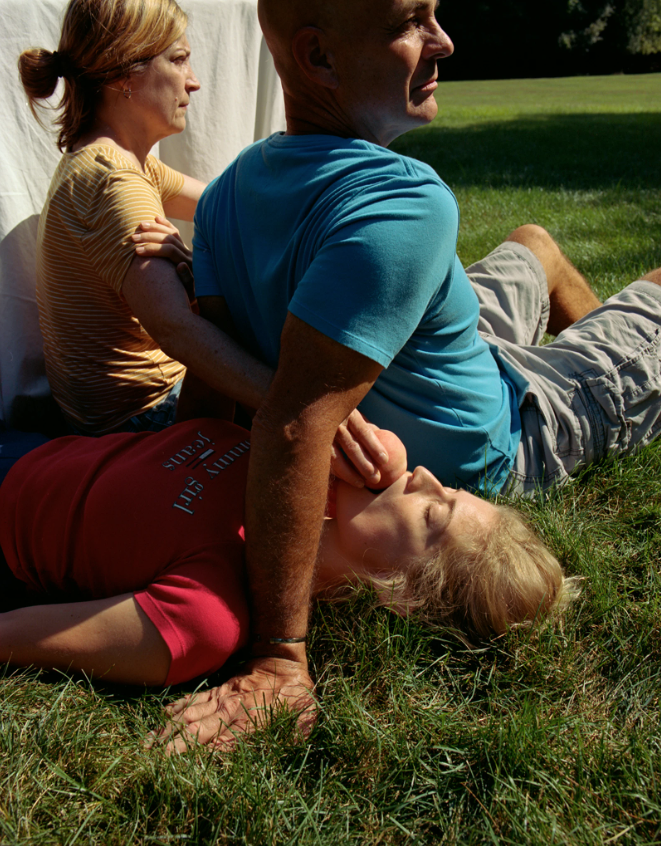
pixel 103 158
pixel 98 170
pixel 91 166
pixel 98 180
pixel 110 163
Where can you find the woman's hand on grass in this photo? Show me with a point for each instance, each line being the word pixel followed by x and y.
pixel 218 717
pixel 363 454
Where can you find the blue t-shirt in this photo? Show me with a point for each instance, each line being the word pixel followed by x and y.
pixel 360 243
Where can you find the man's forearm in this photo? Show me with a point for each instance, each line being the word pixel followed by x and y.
pixel 317 384
pixel 285 501
pixel 217 359
pixel 156 297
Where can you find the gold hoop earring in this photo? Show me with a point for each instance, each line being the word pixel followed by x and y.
pixel 127 93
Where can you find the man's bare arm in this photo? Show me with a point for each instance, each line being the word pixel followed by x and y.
pixel 355 438
pixel 317 384
pixel 157 298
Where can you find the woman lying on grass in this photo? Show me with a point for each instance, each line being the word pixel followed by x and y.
pixel 123 555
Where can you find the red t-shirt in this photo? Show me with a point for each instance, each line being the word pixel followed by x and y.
pixel 159 515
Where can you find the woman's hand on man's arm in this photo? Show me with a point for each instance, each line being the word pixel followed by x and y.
pixel 367 455
pixel 361 453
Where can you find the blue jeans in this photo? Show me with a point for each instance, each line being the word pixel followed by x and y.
pixel 155 419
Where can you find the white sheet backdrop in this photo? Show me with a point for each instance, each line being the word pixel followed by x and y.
pixel 240 101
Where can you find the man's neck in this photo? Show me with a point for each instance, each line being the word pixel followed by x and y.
pixel 321 119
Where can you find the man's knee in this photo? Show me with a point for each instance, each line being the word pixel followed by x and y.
pixel 542 245
pixel 535 237
pixel 653 276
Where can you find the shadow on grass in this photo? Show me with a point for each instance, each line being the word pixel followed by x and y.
pixel 580 151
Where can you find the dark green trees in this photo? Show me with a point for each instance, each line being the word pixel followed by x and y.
pixel 527 38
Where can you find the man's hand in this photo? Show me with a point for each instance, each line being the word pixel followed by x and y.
pixel 219 716
pixel 159 238
pixel 359 454
pixel 363 454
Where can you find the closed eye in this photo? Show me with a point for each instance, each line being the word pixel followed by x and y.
pixel 408 24
pixel 438 519
pixel 432 515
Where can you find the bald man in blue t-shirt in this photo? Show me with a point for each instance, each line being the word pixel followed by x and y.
pixel 334 260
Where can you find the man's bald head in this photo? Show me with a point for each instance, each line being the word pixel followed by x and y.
pixel 355 68
pixel 282 18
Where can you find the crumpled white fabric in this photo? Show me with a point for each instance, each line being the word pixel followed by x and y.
pixel 240 101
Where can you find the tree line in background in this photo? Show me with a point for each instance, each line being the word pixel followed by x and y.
pixel 506 39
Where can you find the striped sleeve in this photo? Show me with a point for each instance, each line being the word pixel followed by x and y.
pixel 128 197
pixel 102 365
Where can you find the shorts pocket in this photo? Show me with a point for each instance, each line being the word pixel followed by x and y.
pixel 627 400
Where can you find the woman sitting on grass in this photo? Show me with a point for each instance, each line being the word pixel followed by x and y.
pixel 118 329
pixel 123 555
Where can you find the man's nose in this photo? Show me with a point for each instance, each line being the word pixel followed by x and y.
pixel 440 46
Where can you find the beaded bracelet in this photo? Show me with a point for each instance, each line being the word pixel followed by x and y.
pixel 277 640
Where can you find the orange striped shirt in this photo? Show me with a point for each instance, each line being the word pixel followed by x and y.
pixel 102 365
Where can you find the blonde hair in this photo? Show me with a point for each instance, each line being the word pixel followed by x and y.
pixel 101 42
pixel 481 585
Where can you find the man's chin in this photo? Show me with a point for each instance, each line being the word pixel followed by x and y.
pixel 423 105
pixel 420 116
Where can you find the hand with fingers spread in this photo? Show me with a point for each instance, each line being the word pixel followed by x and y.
pixel 219 716
pixel 363 454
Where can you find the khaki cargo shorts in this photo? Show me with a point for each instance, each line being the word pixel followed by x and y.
pixel 594 391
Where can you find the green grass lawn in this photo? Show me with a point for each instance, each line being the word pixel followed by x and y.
pixel 545 738
pixel 580 156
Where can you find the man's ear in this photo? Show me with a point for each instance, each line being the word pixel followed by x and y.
pixel 310 50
